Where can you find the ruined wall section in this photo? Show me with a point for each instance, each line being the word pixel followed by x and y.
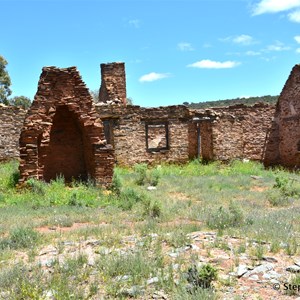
pixel 11 119
pixel 243 132
pixel 63 95
pixel 289 120
pixel 113 83
pixel 129 130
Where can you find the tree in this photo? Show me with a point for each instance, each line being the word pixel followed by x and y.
pixel 95 95
pixel 22 101
pixel 129 101
pixel 5 82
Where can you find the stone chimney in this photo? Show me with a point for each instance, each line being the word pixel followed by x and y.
pixel 113 83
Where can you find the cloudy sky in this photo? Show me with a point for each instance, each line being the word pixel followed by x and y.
pixel 174 50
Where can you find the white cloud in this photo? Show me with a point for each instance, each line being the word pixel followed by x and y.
pixel 294 16
pixel 243 39
pixel 298 50
pixel 153 76
pixel 273 6
pixel 210 64
pixel 297 38
pixel 253 53
pixel 185 47
pixel 278 46
pixel 135 23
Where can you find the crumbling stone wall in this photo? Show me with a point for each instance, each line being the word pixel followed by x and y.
pixel 113 83
pixel 129 133
pixel 62 132
pixel 11 120
pixel 236 132
pixel 288 118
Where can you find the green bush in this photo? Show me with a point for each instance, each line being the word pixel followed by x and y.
pixel 141 171
pixel 116 184
pixel 36 186
pixel 147 176
pixel 22 237
pixel 277 198
pixel 225 218
pixel 128 198
pixel 152 208
pixel 202 277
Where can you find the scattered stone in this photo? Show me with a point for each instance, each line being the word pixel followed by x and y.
pixel 297 262
pixel 134 291
pixel 47 263
pixel 103 251
pixel 194 247
pixel 173 254
pixel 159 295
pixel 151 188
pixel 123 278
pixel 241 270
pixel 152 280
pixel 270 259
pixel 254 277
pixel 48 250
pixel 274 281
pixel 255 177
pixel 93 243
pixel 263 268
pixel 68 243
pixel 293 269
pixel 48 295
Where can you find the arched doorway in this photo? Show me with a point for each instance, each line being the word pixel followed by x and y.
pixel 65 153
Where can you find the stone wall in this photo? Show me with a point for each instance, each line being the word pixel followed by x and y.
pixel 236 132
pixel 11 120
pixel 288 117
pixel 62 132
pixel 152 135
pixel 113 83
pixel 129 129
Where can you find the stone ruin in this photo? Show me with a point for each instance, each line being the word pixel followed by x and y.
pixel 62 132
pixel 287 121
pixel 113 84
pixel 65 133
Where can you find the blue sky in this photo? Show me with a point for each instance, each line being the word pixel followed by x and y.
pixel 174 50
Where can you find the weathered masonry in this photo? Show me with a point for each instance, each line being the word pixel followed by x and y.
pixel 288 121
pixel 11 119
pixel 177 134
pixel 62 133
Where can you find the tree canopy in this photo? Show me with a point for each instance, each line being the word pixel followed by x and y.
pixel 5 90
pixel 22 101
pixel 5 82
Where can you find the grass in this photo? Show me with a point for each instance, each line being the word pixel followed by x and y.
pixel 135 228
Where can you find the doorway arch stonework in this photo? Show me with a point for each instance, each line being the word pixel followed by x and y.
pixel 62 133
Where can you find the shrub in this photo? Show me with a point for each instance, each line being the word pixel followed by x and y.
pixel 152 208
pixel 74 201
pixel 22 237
pixel 277 198
pixel 203 277
pixel 128 198
pixel 225 218
pixel 116 184
pixel 36 186
pixel 147 176
pixel 141 171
